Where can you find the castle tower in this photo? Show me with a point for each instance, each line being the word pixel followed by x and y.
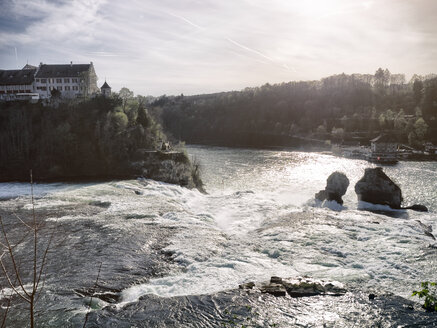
pixel 105 89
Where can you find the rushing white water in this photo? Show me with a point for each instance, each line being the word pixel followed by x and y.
pixel 259 219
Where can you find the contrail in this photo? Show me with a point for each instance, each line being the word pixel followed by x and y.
pixel 187 21
pixel 229 39
pixel 242 46
pixel 250 49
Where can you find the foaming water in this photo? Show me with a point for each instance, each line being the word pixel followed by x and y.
pixel 260 219
pixel 10 190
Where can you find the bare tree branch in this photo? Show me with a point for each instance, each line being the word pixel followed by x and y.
pixel 24 223
pixel 44 258
pixel 38 264
pixel 35 239
pixel 91 298
pixel 10 281
pixel 8 305
pixel 12 256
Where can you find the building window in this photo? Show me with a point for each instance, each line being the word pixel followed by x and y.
pixel 43 80
pixel 74 80
pixel 36 80
pixel 75 87
pixel 44 88
pixel 67 88
pixel 58 80
pixel 66 80
pixel 59 88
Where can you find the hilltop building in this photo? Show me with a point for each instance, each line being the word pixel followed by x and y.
pixel 105 90
pixel 71 80
pixel 17 81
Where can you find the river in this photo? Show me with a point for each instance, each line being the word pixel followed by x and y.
pixel 173 257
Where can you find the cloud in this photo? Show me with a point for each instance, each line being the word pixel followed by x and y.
pixel 194 46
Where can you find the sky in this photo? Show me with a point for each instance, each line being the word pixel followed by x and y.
pixel 156 47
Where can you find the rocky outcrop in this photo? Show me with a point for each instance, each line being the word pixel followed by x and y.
pixel 298 287
pixel 171 167
pixel 336 187
pixel 274 289
pixel 377 188
pixel 167 166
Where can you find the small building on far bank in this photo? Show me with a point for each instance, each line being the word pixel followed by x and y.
pixel 105 89
pixel 430 148
pixel 383 149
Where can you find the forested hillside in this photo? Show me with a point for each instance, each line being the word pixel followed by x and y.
pixel 95 138
pixel 337 108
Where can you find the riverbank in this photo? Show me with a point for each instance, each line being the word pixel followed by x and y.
pixel 319 146
pixel 166 166
pixel 362 152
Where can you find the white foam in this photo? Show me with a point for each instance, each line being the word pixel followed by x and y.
pixel 242 230
pixel 377 207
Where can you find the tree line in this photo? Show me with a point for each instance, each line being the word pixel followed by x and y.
pixel 92 138
pixel 338 108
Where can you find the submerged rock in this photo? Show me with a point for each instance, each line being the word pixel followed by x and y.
pixel 247 285
pixel 106 294
pixel 100 204
pixel 417 207
pixel 427 229
pixel 336 187
pixel 377 188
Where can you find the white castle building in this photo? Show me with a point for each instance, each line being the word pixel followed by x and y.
pixel 71 80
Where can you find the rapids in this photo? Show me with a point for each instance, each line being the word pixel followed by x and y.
pixel 258 219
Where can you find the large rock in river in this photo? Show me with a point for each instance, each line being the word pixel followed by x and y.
pixel 336 187
pixel 377 188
